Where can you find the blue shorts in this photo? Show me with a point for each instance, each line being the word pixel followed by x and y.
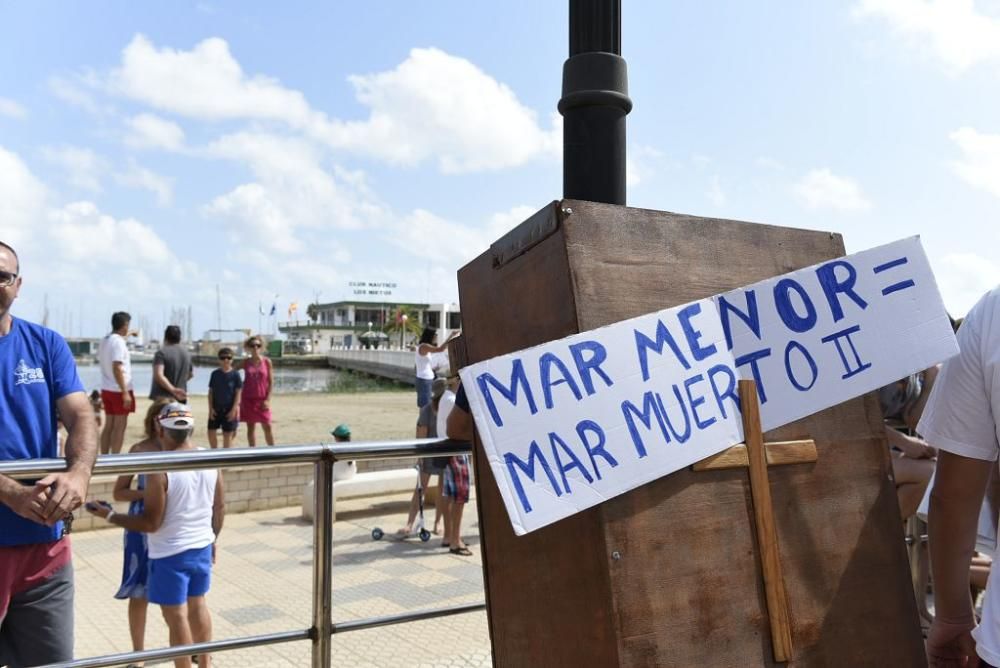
pixel 174 579
pixel 424 388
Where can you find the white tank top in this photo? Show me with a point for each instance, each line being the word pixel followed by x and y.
pixel 424 368
pixel 187 520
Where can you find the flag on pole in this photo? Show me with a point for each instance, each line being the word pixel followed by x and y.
pixel 274 308
pixel 292 308
pixel 260 308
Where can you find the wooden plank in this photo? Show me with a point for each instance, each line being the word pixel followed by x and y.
pixel 778 453
pixel 767 537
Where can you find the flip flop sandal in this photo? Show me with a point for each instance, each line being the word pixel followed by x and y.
pixel 461 551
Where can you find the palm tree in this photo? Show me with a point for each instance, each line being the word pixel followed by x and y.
pixel 403 323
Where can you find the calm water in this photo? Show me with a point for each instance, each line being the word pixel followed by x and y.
pixel 287 380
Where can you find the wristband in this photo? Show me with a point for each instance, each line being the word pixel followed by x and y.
pixel 111 514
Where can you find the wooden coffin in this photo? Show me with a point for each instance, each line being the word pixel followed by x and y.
pixel 669 574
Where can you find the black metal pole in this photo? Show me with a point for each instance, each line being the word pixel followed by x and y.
pixel 594 104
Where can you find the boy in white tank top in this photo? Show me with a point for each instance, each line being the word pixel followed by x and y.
pixel 183 513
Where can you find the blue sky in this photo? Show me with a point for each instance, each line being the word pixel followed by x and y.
pixel 150 152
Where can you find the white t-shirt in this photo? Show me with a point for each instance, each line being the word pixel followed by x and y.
pixel 187 519
pixel 114 349
pixel 961 418
pixel 425 367
pixel 444 409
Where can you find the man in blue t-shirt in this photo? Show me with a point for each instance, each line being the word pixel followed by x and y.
pixel 38 377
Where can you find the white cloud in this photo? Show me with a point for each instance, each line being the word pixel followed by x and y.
pixel 206 83
pixel 767 162
pixel 22 199
pixel 151 131
pixel 292 191
pixel 980 163
pixel 253 211
pixel 129 256
pixel 136 176
pixel 83 168
pixel 641 164
pixel 432 107
pixel 426 234
pixel 954 31
pixel 437 106
pixel 716 195
pixel 822 189
pixel 12 109
pixel 77 92
pixel 964 278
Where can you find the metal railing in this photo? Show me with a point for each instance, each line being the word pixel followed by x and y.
pixel 323 455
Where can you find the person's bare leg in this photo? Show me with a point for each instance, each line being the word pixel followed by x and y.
pixel 455 512
pixel 200 620
pixel 414 505
pixel 213 438
pixel 137 622
pixel 106 436
pixel 440 506
pixel 446 540
pixel 252 434
pixel 176 618
pixel 227 438
pixel 118 433
pixel 268 435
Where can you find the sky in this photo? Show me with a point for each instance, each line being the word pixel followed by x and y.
pixel 225 156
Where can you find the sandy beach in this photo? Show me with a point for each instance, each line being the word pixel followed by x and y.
pixel 309 417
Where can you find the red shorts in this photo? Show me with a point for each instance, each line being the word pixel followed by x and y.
pixel 113 403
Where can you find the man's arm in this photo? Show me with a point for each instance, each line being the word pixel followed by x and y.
pixel 219 506
pixel 118 368
pixel 913 413
pixel 959 485
pixel 234 412
pixel 153 506
pixel 25 500
pixel 460 424
pixel 68 489
pixel 161 379
pixel 913 447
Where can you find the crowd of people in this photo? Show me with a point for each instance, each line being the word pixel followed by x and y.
pixel 232 398
pixel 174 518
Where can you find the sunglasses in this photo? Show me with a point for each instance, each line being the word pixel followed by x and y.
pixel 254 345
pixel 7 279
pixel 226 357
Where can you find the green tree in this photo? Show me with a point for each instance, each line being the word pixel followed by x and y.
pixel 398 326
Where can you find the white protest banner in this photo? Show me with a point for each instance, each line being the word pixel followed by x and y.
pixel 570 423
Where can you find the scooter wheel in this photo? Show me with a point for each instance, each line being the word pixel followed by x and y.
pixel 377 534
pixel 425 535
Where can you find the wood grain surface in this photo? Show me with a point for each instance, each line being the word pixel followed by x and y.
pixel 763 513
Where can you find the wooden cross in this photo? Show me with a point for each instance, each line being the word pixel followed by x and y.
pixel 756 455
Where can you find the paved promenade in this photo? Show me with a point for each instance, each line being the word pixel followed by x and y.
pixel 262 584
